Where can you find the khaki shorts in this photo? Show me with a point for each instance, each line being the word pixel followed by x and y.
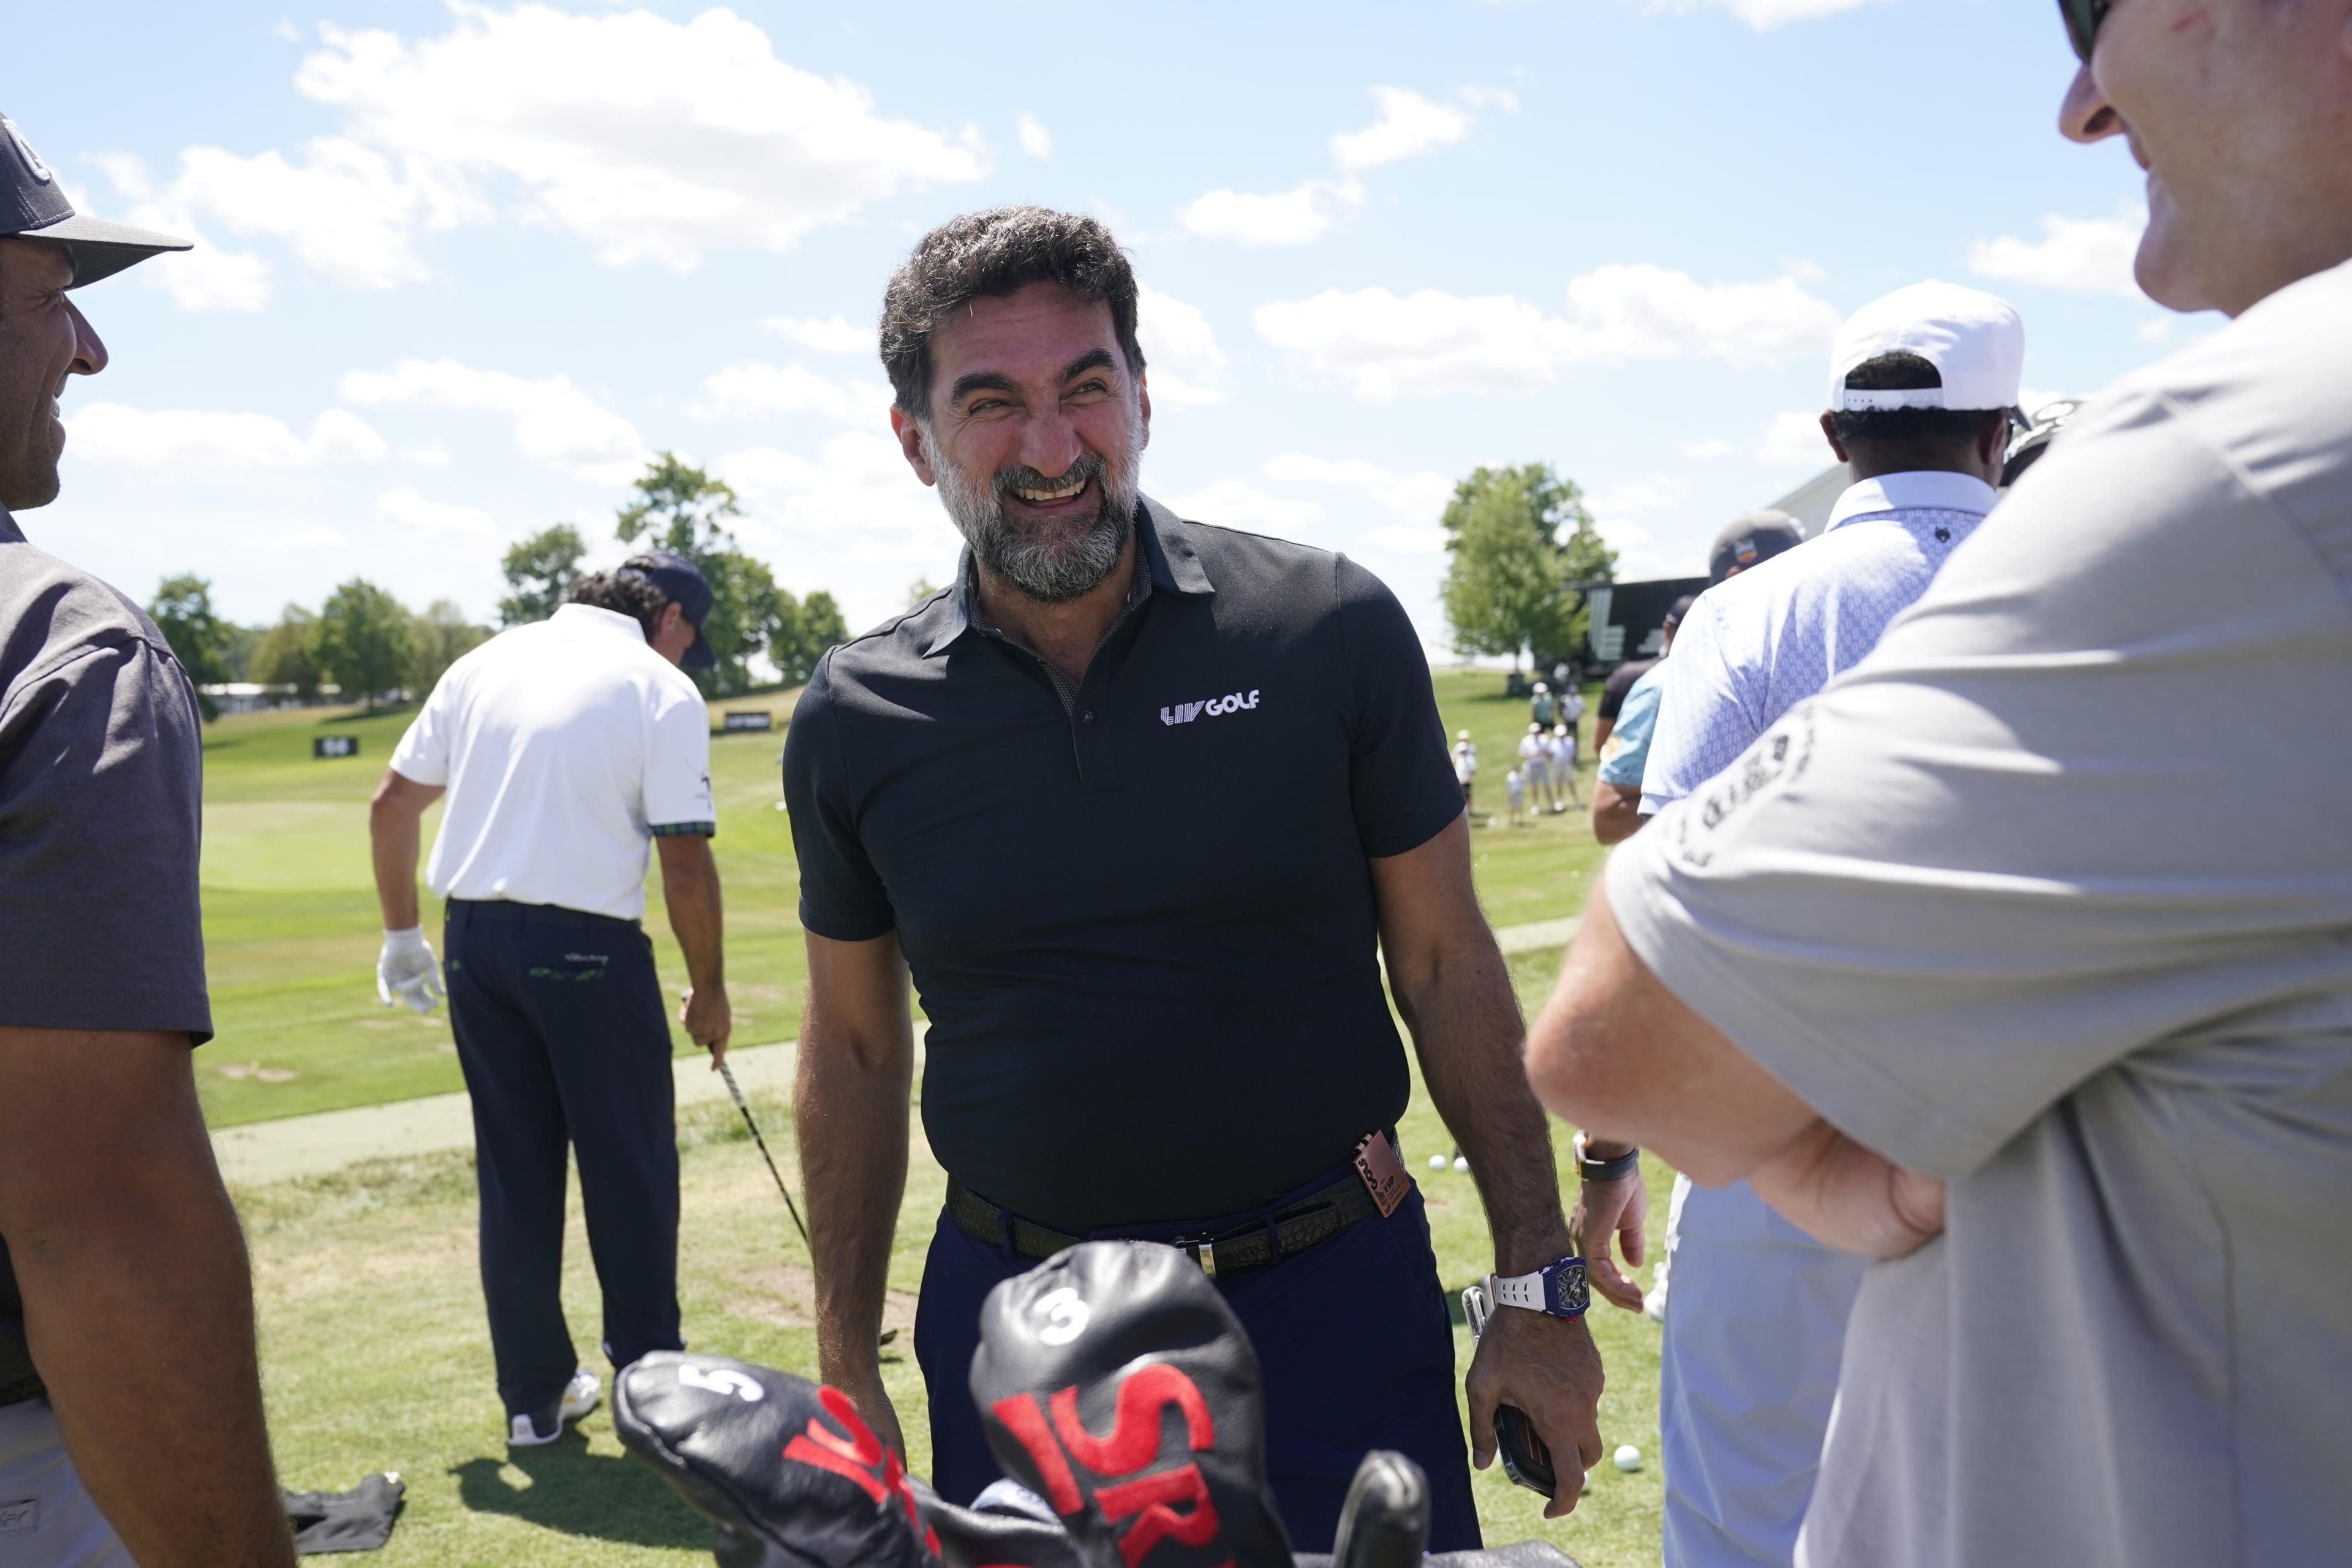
pixel 47 1520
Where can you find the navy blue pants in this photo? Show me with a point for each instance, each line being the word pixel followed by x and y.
pixel 1353 1343
pixel 565 1047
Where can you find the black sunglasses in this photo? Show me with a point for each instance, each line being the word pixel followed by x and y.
pixel 2083 18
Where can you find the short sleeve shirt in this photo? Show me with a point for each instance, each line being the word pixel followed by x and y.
pixel 1628 751
pixel 566 745
pixel 1760 640
pixel 1999 904
pixel 101 813
pixel 1621 681
pixel 1142 923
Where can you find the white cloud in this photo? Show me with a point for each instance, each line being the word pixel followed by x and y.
pixel 303 538
pixel 1640 555
pixel 209 278
pixel 1236 503
pixel 431 454
pixel 830 335
pixel 2073 256
pixel 412 511
pixel 1035 140
pixel 114 435
pixel 1765 15
pixel 1386 346
pixel 1299 215
pixel 1420 496
pixel 857 506
pixel 555 423
pixel 1404 541
pixel 650 139
pixel 1409 126
pixel 1707 452
pixel 1795 438
pixel 1501 97
pixel 756 391
pixel 1180 350
pixel 2156 331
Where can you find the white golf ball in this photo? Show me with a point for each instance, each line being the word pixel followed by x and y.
pixel 1586 1484
pixel 1437 1161
pixel 1461 1162
pixel 1628 1457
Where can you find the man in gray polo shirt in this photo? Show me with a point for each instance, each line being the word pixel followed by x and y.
pixel 130 1420
pixel 1988 961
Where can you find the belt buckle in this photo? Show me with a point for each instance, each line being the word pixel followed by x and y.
pixel 1204 1253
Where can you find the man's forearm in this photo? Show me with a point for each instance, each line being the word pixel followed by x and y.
pixel 1616 812
pixel 1846 1196
pixel 139 1311
pixel 1466 1028
pixel 691 893
pixel 851 1108
pixel 393 833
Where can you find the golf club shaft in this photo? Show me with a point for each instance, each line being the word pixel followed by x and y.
pixel 748 1121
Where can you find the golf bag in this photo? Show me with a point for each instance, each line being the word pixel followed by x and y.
pixel 1118 1390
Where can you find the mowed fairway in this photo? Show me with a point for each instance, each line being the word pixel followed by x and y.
pixel 291 928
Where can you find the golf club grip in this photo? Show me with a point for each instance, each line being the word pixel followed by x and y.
pixel 1526 1457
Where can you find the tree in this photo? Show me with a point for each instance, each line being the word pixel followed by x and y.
pixel 679 506
pixel 443 636
pixel 287 655
pixel 537 571
pixel 1509 586
pixel 237 649
pixel 182 611
pixel 364 643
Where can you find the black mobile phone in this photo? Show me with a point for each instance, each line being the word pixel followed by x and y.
pixel 1525 1458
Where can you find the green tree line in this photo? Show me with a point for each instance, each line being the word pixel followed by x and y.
pixel 366 642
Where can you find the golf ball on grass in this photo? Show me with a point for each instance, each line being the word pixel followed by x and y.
pixel 1437 1161
pixel 1628 1457
pixel 1461 1162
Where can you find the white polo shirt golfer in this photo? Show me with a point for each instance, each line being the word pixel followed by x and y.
pixel 565 746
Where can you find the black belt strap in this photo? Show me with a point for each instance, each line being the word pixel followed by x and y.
pixel 1316 1217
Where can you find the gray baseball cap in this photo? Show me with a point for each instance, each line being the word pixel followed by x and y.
pixel 33 206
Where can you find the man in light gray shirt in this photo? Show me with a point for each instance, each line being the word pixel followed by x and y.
pixel 1959 965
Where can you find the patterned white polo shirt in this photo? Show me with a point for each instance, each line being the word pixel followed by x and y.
pixel 1758 644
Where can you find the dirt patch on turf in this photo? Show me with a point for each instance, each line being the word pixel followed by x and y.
pixel 783 1295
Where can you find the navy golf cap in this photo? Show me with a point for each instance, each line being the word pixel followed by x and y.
pixel 1750 538
pixel 32 207
pixel 683 583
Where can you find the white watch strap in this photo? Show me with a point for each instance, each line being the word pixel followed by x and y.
pixel 1523 1290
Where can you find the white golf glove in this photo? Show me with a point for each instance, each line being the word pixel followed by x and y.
pixel 408 972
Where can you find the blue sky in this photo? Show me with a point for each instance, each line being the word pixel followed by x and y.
pixel 464 265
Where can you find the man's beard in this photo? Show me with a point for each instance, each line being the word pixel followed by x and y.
pixel 1050 562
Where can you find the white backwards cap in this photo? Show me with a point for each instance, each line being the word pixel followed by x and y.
pixel 1974 339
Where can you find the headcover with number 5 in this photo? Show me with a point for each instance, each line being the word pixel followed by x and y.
pixel 1116 1384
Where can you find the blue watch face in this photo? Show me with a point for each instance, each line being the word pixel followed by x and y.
pixel 1566 1291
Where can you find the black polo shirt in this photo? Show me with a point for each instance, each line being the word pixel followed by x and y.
pixel 1140 915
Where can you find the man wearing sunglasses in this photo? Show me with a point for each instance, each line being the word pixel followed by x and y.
pixel 1960 968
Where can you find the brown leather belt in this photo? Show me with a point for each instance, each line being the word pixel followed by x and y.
pixel 1318 1217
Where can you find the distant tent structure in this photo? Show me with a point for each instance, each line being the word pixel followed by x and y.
pixel 1810 502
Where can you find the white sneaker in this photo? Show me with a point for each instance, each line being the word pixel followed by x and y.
pixel 580 1397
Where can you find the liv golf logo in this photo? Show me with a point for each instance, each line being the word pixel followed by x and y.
pixel 1185 712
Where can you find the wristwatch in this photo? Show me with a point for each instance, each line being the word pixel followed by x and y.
pixel 1557 1290
pixel 1616 1168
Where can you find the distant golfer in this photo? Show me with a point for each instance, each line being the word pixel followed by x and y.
pixel 1153 981
pixel 131 1421
pixel 564 747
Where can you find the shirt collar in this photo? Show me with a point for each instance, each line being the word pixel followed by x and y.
pixel 611 621
pixel 1923 489
pixel 9 532
pixel 1169 563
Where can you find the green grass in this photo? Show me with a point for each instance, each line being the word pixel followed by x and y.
pixel 375 1355
pixel 375 1350
pixel 291 928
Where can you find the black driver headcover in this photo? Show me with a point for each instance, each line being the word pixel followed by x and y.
pixel 1115 1383
pixel 787 1473
pixel 1384 1523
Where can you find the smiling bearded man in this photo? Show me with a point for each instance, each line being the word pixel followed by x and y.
pixel 1141 802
